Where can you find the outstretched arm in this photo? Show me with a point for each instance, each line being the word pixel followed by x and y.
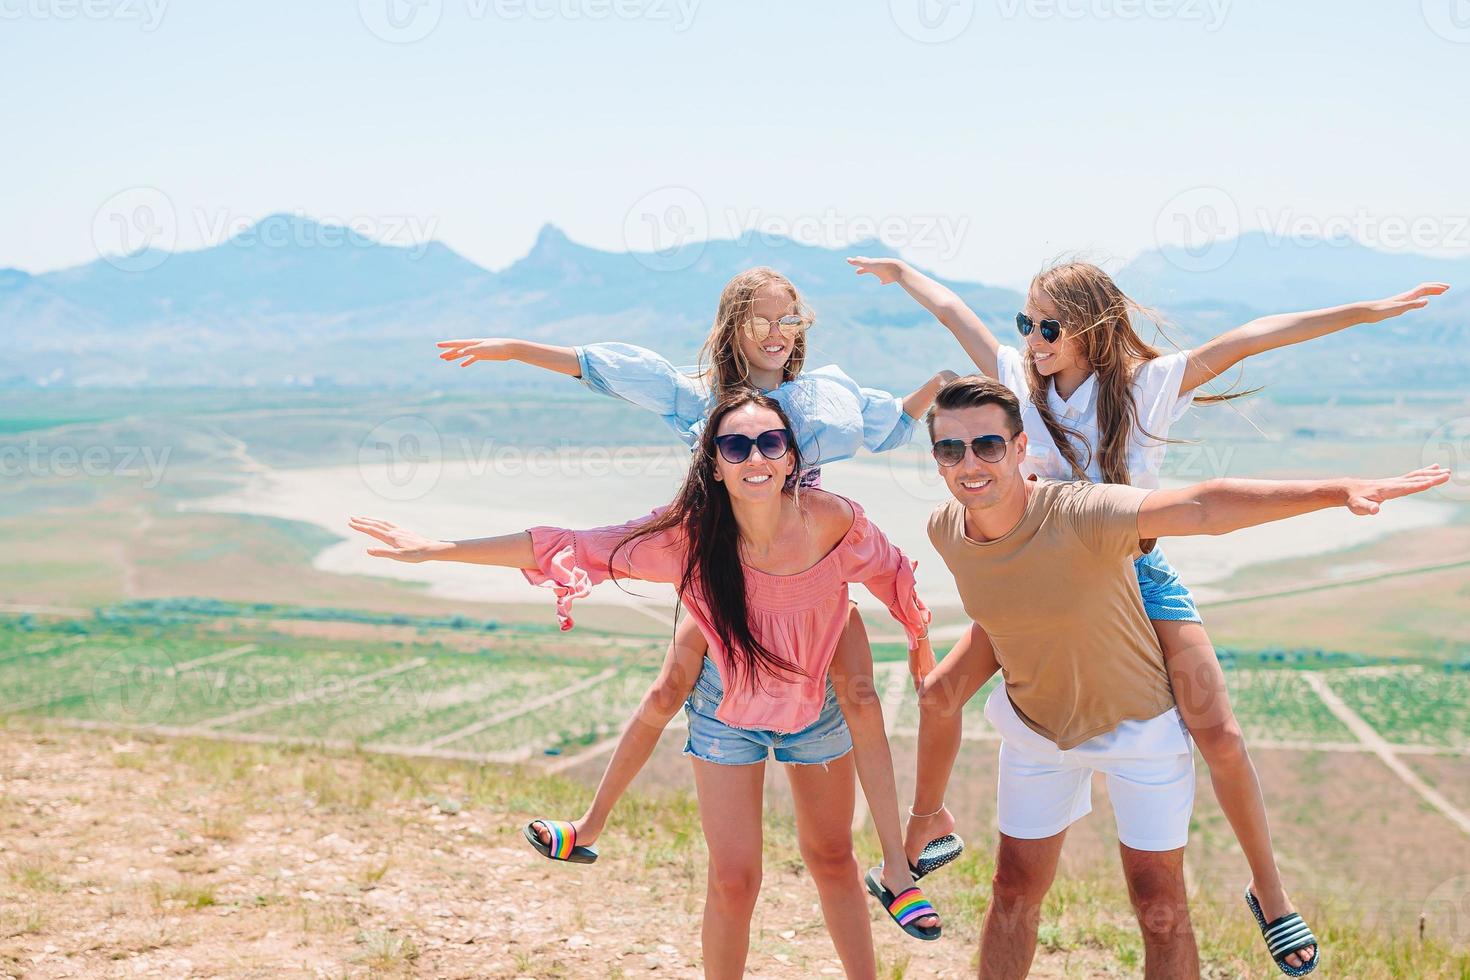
pixel 1222 506
pixel 562 360
pixel 974 336
pixel 508 550
pixel 1284 329
pixel 633 374
pixel 568 562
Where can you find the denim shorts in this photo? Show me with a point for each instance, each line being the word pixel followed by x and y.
pixel 712 740
pixel 1164 596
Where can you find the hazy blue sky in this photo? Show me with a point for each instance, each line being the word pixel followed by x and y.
pixel 982 138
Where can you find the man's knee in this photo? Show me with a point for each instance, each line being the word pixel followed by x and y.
pixel 1159 899
pixel 1019 884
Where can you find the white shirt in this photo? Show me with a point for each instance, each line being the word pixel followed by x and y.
pixel 1156 391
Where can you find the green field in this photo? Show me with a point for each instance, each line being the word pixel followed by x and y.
pixel 458 686
pixel 1278 704
pixel 235 676
pixel 1430 706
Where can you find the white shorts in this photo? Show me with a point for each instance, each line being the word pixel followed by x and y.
pixel 1042 790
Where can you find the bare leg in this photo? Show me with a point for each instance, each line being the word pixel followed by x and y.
pixel 676 679
pixel 969 664
pixel 1024 870
pixel 1204 704
pixel 820 792
pixel 730 813
pixel 1156 886
pixel 851 674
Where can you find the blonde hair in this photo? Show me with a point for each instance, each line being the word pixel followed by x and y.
pixel 1098 316
pixel 722 361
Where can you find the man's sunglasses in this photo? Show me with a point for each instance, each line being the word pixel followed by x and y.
pixel 1050 329
pixel 773 444
pixel 758 328
pixel 951 452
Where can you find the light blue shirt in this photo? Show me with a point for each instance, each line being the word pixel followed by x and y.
pixel 831 414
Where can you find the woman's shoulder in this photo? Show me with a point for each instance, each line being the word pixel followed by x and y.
pixel 1148 370
pixel 830 515
pixel 1010 369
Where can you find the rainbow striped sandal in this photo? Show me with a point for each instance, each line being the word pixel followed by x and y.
pixel 905 908
pixel 563 846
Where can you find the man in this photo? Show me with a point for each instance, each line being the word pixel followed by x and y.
pixel 1045 568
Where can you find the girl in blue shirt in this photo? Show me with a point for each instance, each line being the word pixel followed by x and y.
pixel 758 340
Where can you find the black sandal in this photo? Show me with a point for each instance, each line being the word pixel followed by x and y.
pixel 936 854
pixel 1284 936
pixel 904 908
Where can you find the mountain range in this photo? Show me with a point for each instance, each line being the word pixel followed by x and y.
pixel 294 302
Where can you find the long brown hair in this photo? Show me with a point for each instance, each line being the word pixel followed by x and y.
pixel 702 511
pixel 1098 316
pixel 722 361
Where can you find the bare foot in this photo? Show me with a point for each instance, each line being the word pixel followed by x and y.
pixel 900 881
pixel 586 833
pixel 1273 906
pixel 921 830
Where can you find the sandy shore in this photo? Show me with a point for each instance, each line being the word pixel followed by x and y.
pixel 487 497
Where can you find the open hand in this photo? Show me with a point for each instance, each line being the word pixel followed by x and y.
pixel 1365 496
pixel 403 544
pixel 886 270
pixel 1415 299
pixel 483 349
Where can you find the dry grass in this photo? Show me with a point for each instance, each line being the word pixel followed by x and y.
pixel 210 859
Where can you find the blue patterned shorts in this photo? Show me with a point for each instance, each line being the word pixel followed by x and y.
pixel 1164 596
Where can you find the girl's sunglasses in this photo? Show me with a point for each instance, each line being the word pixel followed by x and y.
pixel 951 452
pixel 758 328
pixel 1050 329
pixel 773 444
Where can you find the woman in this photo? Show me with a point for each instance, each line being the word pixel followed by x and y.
pixel 763 568
pixel 1097 403
pixel 758 340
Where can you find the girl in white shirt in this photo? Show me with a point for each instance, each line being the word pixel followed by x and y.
pixel 1097 403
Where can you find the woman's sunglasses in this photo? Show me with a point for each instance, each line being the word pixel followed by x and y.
pixel 951 452
pixel 758 328
pixel 773 444
pixel 1050 329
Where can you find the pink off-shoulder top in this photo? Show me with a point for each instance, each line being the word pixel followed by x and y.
pixel 799 616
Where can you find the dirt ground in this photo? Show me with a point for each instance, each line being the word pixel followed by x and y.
pixel 136 858
pixel 129 856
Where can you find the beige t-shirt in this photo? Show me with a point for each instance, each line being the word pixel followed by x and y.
pixel 1059 599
